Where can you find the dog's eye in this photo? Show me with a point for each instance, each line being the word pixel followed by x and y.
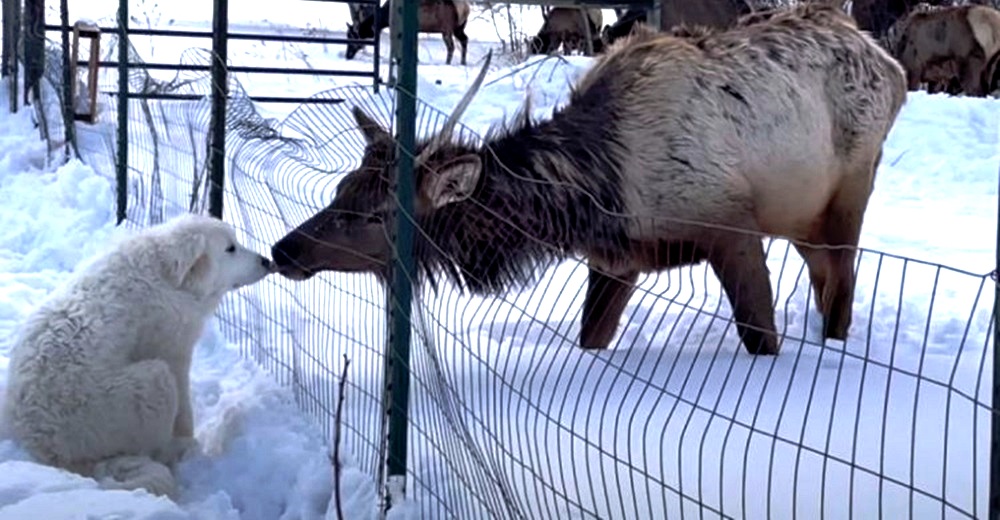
pixel 231 248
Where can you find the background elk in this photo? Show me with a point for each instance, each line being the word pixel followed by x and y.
pixel 623 26
pixel 447 17
pixel 569 27
pixel 877 16
pixel 671 151
pixel 967 36
pixel 708 13
pixel 711 13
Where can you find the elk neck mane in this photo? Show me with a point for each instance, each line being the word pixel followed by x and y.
pixel 547 190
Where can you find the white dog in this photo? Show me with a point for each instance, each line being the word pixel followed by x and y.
pixel 98 379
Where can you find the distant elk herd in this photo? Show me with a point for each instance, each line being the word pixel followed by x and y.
pixel 678 146
pixel 945 47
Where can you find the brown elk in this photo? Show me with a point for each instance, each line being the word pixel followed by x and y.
pixel 671 151
pixel 447 17
pixel 677 13
pixel 967 36
pixel 711 13
pixel 570 27
pixel 877 16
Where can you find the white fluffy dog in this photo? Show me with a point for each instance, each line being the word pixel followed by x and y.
pixel 98 379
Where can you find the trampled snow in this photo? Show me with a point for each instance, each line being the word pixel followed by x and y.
pixel 935 200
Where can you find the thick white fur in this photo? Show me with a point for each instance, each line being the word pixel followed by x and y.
pixel 98 379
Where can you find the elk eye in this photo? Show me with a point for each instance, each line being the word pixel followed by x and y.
pixel 231 248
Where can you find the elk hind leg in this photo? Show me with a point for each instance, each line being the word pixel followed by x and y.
pixel 841 229
pixel 463 39
pixel 607 295
pixel 738 262
pixel 449 43
pixel 818 261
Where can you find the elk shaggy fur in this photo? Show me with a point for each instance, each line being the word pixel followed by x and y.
pixel 671 151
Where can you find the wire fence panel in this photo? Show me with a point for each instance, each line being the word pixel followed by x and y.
pixel 510 418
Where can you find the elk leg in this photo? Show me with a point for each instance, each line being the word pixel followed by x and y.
pixel 739 265
pixel 842 229
pixel 603 306
pixel 450 44
pixel 463 40
pixel 971 73
pixel 818 260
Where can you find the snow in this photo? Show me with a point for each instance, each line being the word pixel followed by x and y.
pixel 906 397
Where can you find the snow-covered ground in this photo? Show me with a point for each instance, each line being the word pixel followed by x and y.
pixel 639 431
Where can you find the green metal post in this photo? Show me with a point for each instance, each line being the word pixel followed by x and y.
pixel 220 91
pixel 994 504
pixel 67 90
pixel 121 166
pixel 400 293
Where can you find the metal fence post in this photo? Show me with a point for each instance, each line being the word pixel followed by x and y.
pixel 121 165
pixel 220 93
pixel 67 87
pixel 994 504
pixel 400 290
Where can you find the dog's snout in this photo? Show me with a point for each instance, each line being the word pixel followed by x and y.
pixel 267 263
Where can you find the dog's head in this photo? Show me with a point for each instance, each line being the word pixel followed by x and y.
pixel 203 256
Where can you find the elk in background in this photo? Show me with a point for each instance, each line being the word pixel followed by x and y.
pixel 447 17
pixel 569 27
pixel 956 40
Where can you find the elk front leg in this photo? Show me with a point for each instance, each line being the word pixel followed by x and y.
pixel 449 43
pixel 606 298
pixel 738 262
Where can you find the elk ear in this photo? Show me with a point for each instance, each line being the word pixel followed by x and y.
pixel 371 130
pixel 453 181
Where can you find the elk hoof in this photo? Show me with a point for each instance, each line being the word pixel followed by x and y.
pixel 761 344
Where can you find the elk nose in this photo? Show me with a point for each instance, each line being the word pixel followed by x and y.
pixel 283 251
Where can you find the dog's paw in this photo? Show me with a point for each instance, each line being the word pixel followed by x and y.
pixel 134 472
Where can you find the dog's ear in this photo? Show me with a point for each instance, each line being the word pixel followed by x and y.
pixel 189 261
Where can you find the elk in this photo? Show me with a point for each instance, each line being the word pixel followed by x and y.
pixel 877 16
pixel 570 27
pixel 670 152
pixel 623 26
pixel 967 36
pixel 447 17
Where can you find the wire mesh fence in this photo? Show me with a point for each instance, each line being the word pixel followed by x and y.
pixel 510 418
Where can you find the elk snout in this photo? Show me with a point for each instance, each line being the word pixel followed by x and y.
pixel 287 253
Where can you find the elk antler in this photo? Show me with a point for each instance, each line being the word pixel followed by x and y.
pixel 449 126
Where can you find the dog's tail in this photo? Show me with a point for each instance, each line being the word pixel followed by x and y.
pixel 134 472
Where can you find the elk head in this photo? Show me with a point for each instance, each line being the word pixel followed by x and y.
pixel 350 234
pixel 354 33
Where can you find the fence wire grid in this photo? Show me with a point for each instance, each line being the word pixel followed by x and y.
pixel 509 418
